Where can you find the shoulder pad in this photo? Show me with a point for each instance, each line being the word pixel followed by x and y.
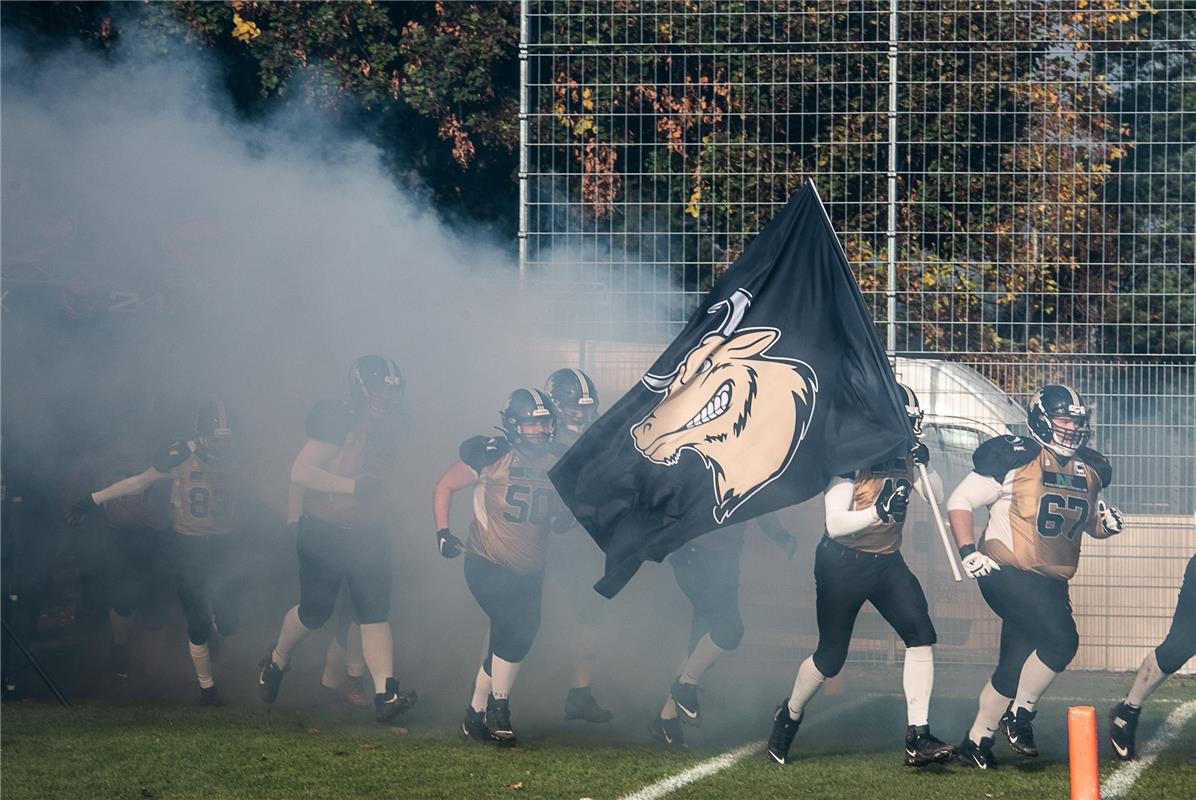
pixel 1098 462
pixel 997 456
pixel 847 476
pixel 172 455
pixel 480 452
pixel 329 421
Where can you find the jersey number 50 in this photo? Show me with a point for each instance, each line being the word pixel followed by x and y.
pixel 527 505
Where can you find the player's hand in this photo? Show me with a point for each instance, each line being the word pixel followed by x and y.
pixel 449 545
pixel 367 486
pixel 893 502
pixel 919 454
pixel 975 563
pixel 1110 517
pixel 80 510
pixel 784 540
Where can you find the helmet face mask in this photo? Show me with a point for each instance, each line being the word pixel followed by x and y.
pixel 913 409
pixel 376 385
pixel 213 434
pixel 575 396
pixel 529 420
pixel 1058 418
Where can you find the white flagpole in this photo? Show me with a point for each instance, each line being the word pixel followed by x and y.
pixel 938 519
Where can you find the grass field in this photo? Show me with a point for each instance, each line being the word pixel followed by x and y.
pixel 848 748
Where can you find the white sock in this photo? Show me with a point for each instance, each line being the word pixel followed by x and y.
pixel 1149 678
pixel 807 683
pixel 122 627
pixel 481 690
pixel 502 677
pixel 334 665
pixel 992 706
pixel 670 709
pixel 1036 678
pixel 585 651
pixel 293 632
pixel 203 664
pixel 378 648
pixel 355 657
pixel 917 679
pixel 705 653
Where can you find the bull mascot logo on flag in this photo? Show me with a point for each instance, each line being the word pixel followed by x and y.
pixel 743 411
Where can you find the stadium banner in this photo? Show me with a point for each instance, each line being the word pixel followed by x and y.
pixel 777 383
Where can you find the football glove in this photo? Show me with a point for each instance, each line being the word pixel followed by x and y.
pixel 449 545
pixel 367 486
pixel 919 454
pixel 1110 518
pixel 975 563
pixel 79 510
pixel 893 502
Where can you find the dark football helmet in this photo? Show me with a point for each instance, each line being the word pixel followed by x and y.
pixel 213 433
pixel 913 409
pixel 576 397
pixel 376 384
pixel 529 419
pixel 1053 404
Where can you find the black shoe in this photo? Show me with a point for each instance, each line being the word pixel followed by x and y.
pixel 922 747
pixel 1019 730
pixel 667 731
pixel 120 661
pixel 474 725
pixel 1123 727
pixel 392 702
pixel 210 697
pixel 978 755
pixel 269 678
pixel 784 728
pixel 498 720
pixel 580 704
pixel 685 696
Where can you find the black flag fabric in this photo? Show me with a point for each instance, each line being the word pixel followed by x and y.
pixel 777 383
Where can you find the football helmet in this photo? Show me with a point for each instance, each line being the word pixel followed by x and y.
pixel 213 433
pixel 376 384
pixel 913 409
pixel 1053 404
pixel 529 419
pixel 576 397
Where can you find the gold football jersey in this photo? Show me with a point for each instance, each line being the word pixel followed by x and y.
pixel 203 496
pixel 514 504
pixel 880 536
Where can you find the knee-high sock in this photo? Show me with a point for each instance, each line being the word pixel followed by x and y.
pixel 481 690
pixel 122 627
pixel 1036 678
pixel 293 632
pixel 502 677
pixel 202 660
pixel 334 664
pixel 355 656
pixel 807 683
pixel 1149 678
pixel 992 706
pixel 585 650
pixel 705 653
pixel 378 648
pixel 918 681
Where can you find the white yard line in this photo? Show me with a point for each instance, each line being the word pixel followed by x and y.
pixel 1121 781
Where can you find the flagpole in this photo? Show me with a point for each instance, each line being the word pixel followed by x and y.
pixel 938 519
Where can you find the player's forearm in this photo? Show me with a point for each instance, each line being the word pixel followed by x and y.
pixel 294 503
pixel 320 480
pixel 961 526
pixel 442 501
pixel 135 484
pixel 842 524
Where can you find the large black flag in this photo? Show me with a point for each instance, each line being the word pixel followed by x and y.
pixel 777 383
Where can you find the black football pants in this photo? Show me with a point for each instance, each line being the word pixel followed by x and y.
pixel 1180 644
pixel 1035 614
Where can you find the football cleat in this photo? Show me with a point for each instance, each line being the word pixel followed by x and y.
pixel 685 696
pixel 667 731
pixel 392 702
pixel 208 696
pixel 353 692
pixel 120 661
pixel 473 726
pixel 979 755
pixel 498 720
pixel 580 704
pixel 784 728
pixel 269 678
pixel 1019 730
pixel 922 747
pixel 1123 727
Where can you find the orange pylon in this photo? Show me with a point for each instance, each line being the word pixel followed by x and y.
pixel 1081 736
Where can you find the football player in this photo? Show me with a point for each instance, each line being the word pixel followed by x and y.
pixel 859 560
pixel 707 571
pixel 345 468
pixel 203 507
pixel 1164 660
pixel 576 399
pixel 515 508
pixel 1042 496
